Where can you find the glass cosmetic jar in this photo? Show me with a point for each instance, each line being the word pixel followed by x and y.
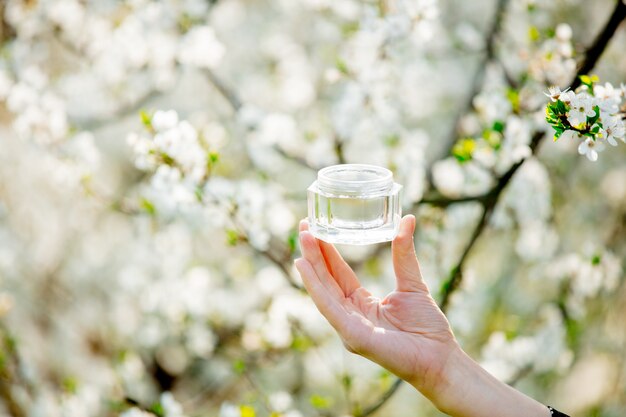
pixel 354 204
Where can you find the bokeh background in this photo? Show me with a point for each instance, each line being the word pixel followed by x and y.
pixel 154 157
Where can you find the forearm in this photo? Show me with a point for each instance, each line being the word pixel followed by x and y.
pixel 467 390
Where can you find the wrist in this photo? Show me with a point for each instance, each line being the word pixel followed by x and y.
pixel 465 389
pixel 451 390
pixel 439 381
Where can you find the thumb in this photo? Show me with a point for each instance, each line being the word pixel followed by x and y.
pixel 405 265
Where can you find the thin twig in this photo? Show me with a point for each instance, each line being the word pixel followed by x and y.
pixel 295 158
pixel 127 110
pixel 439 200
pixel 382 400
pixel 282 265
pixel 479 75
pixel 339 150
pixel 230 96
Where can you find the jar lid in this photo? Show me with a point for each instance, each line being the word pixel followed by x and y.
pixel 355 179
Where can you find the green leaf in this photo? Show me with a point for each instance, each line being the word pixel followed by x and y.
pixel 167 160
pixel 214 157
pixel 533 34
pixel 513 96
pixel 350 28
pixel 498 126
pixel 493 138
pixel 146 119
pixel 157 409
pixel 589 80
pixel 561 107
pixel 199 194
pixel 292 240
pixel 301 343
pixel 342 66
pixel 385 379
pixel 232 237
pixel 320 402
pixel 463 149
pixel 557 135
pixel 346 381
pixel 596 260
pixel 239 366
pixel 592 119
pixel 147 206
pixel 392 140
pixel 70 384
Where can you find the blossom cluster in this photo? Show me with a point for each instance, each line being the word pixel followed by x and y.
pixel 553 61
pixel 176 152
pixel 592 115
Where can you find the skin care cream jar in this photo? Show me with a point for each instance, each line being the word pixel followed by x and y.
pixel 354 204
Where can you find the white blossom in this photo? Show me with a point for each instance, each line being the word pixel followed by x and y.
pixel 581 107
pixel 590 149
pixel 448 177
pixel 201 48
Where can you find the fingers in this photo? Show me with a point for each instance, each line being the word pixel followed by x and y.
pixel 312 253
pixel 337 266
pixel 405 265
pixel 327 303
pixel 339 269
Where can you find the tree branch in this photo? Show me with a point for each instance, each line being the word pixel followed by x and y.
pixel 7 32
pixel 591 57
pixel 599 45
pixel 8 370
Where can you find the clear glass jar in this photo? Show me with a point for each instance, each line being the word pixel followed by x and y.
pixel 354 204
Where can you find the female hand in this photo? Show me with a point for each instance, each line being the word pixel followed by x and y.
pixel 405 332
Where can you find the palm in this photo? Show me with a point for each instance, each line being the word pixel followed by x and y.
pixel 405 332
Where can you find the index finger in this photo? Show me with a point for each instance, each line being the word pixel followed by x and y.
pixel 337 266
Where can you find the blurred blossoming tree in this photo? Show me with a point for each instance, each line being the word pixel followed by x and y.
pixel 153 162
